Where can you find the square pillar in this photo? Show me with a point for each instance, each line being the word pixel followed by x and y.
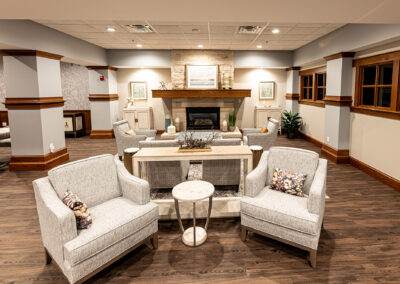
pixel 338 101
pixel 35 109
pixel 103 99
pixel 292 89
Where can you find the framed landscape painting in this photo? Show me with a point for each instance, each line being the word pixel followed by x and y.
pixel 138 90
pixel 202 76
pixel 267 90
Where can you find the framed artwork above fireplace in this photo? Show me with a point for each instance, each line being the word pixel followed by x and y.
pixel 202 76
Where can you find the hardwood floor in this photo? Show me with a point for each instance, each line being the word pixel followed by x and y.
pixel 360 241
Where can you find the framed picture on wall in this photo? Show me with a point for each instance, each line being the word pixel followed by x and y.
pixel 267 90
pixel 138 90
pixel 202 76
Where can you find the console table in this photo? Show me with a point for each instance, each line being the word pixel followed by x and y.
pixel 172 154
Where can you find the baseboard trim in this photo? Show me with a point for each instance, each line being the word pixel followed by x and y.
pixel 310 139
pixel 335 155
pixel 38 162
pixel 377 174
pixel 102 134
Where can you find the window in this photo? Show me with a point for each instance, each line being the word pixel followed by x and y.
pixel 313 86
pixel 377 79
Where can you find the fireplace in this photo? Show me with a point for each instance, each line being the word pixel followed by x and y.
pixel 198 118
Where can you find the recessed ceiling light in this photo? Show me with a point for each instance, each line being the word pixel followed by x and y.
pixel 200 46
pixel 139 45
pixel 275 31
pixel 259 46
pixel 110 29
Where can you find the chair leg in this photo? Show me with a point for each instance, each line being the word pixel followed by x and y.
pixel 154 240
pixel 243 233
pixel 313 258
pixel 47 257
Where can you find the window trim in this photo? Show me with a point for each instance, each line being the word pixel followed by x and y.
pixel 389 112
pixel 312 72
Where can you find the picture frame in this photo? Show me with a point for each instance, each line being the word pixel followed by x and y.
pixel 202 76
pixel 138 90
pixel 267 90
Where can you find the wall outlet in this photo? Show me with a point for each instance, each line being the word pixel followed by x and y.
pixel 327 139
pixel 52 148
pixel 4 124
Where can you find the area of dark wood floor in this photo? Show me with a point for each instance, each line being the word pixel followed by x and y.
pixel 360 241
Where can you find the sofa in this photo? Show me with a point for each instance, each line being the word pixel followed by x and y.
pixel 291 219
pixel 253 136
pixel 129 141
pixel 123 217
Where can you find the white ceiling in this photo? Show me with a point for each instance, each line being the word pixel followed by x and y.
pixel 188 35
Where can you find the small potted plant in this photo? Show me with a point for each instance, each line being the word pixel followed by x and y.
pixel 232 120
pixel 291 123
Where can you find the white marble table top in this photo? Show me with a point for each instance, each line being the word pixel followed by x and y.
pixel 193 191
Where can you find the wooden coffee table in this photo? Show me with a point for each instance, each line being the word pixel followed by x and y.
pixel 192 191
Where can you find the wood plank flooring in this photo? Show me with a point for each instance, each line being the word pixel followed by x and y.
pixel 360 242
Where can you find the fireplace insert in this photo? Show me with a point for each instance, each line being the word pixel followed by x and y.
pixel 198 118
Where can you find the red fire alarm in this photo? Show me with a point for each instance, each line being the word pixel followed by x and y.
pixel 101 78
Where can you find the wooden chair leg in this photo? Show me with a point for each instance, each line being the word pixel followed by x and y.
pixel 154 240
pixel 313 258
pixel 47 257
pixel 243 233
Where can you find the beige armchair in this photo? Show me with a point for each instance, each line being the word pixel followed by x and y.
pixel 253 136
pixel 128 141
pixel 287 218
pixel 123 216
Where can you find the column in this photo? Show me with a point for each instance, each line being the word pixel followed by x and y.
pixel 103 99
pixel 292 89
pixel 338 100
pixel 35 109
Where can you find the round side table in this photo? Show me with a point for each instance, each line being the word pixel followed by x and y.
pixel 192 191
pixel 128 154
pixel 257 153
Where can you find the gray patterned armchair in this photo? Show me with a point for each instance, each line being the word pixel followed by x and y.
pixel 222 172
pixel 287 218
pixel 165 174
pixel 128 141
pixel 253 136
pixel 123 216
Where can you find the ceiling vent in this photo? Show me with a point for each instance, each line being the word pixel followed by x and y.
pixel 249 29
pixel 139 29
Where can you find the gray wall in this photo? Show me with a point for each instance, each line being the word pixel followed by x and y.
pixel 74 86
pixel 262 59
pixel 352 37
pixel 30 35
pixel 138 58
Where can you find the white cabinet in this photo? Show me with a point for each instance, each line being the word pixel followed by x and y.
pixel 139 117
pixel 262 114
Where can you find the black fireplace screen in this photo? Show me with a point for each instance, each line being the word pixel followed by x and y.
pixel 202 118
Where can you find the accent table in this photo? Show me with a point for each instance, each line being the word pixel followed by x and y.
pixel 192 191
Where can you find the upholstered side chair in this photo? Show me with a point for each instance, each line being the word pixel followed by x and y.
pixel 165 174
pixel 128 141
pixel 122 215
pixel 253 136
pixel 287 218
pixel 222 172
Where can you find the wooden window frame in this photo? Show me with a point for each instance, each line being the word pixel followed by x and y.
pixel 314 100
pixel 389 112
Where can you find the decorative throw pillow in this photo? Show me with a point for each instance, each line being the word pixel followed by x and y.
pixel 264 130
pixel 82 215
pixel 288 182
pixel 130 132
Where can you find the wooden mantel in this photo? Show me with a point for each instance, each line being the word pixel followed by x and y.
pixel 234 93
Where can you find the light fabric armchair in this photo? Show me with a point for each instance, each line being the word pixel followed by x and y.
pixel 290 219
pixel 128 141
pixel 253 136
pixel 123 216
pixel 222 172
pixel 165 174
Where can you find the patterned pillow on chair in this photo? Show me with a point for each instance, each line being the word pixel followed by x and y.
pixel 288 182
pixel 82 215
